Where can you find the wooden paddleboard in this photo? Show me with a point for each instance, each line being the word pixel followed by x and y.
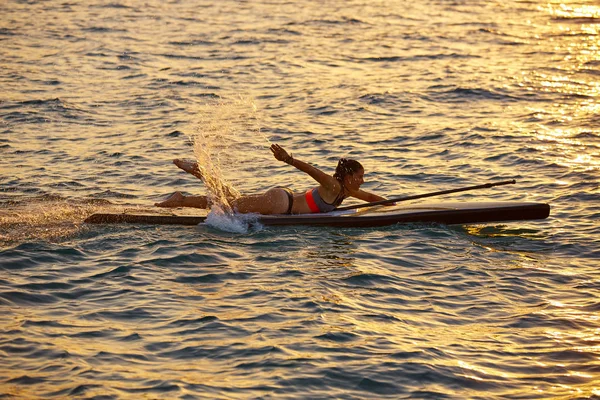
pixel 442 213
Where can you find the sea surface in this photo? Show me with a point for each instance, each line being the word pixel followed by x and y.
pixel 97 98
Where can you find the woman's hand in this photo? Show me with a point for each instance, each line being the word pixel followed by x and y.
pixel 281 155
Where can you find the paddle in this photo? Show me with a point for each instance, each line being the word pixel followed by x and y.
pixel 420 196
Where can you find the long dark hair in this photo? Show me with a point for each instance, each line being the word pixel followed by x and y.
pixel 346 167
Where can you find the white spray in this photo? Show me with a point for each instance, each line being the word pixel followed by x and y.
pixel 226 138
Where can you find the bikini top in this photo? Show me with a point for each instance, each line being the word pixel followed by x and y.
pixel 317 204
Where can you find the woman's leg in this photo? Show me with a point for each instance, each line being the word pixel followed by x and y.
pixel 179 200
pixel 191 167
pixel 274 201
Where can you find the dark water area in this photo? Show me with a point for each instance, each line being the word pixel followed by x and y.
pixel 97 99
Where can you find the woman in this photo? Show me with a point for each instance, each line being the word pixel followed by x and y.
pixel 330 193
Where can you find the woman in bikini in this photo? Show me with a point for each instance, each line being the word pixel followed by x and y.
pixel 330 193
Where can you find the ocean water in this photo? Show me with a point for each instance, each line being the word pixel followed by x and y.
pixel 98 97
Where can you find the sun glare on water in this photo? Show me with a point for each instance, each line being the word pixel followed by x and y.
pixel 575 34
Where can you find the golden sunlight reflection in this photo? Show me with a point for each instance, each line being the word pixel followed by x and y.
pixel 577 11
pixel 575 34
pixel 568 151
pixel 478 369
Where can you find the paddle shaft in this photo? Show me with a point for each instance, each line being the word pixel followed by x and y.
pixel 420 196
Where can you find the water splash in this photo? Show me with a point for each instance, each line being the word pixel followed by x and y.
pixel 233 223
pixel 49 218
pixel 227 138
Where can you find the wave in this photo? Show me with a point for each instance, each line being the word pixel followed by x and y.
pixel 324 110
pixel 340 21
pixel 116 6
pixel 8 32
pixel 587 135
pixel 457 94
pixel 39 111
pixel 193 43
pixel 386 98
pixel 576 19
pixel 102 29
pixel 419 57
pixel 285 31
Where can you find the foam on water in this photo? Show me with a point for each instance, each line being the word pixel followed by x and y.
pixel 231 222
pixel 45 219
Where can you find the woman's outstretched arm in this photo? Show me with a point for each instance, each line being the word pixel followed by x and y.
pixel 366 196
pixel 324 179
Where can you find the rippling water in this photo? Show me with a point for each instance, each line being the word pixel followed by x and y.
pixel 98 97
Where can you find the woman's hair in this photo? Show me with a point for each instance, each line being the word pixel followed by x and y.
pixel 346 167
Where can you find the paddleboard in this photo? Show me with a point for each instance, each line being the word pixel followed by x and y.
pixel 442 213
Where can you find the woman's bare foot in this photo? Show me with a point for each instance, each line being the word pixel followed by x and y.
pixel 174 200
pixel 188 166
